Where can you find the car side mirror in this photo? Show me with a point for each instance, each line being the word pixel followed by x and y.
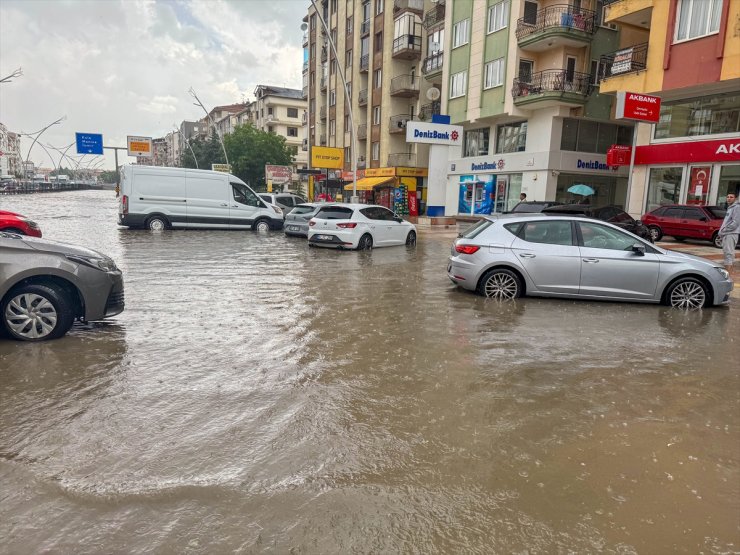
pixel 638 249
pixel 398 219
pixel 704 219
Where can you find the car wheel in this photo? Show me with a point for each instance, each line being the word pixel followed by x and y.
pixel 366 243
pixel 500 284
pixel 156 223
pixel 411 239
pixel 717 240
pixel 687 293
pixel 261 226
pixel 36 313
pixel 13 230
pixel 655 233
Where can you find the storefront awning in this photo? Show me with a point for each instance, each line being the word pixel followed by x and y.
pixel 367 183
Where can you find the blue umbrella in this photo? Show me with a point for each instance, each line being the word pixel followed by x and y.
pixel 580 189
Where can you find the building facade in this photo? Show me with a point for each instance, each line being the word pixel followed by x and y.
pixel 280 110
pixel 10 157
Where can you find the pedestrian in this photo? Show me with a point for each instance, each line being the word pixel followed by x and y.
pixel 523 197
pixel 730 230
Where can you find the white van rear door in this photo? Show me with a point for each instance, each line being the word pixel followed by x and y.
pixel 208 200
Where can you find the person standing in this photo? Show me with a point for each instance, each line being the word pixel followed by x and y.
pixel 730 230
pixel 523 197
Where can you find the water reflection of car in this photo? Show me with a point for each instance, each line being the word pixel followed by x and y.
pixel 612 214
pixel 574 257
pixel 686 221
pixel 15 223
pixel 45 286
pixel 532 206
pixel 359 226
pixel 296 221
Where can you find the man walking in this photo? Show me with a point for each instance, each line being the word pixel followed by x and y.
pixel 730 230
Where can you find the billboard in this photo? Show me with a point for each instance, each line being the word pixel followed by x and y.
pixel 327 157
pixel 139 146
pixel 278 174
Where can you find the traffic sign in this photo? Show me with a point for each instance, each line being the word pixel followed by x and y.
pixel 89 143
pixel 638 107
pixel 139 146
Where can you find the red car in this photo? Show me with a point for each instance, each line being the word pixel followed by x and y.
pixel 15 223
pixel 686 221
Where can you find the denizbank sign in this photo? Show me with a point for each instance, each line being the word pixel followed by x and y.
pixel 433 133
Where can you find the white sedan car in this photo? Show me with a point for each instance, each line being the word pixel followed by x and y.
pixel 359 226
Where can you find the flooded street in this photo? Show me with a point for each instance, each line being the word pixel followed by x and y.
pixel 258 396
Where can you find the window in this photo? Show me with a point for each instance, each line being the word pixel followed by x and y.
pixel 269 129
pixel 347 153
pixel 379 41
pixel 379 7
pixel 377 78
pixel 593 136
pixel 292 112
pixel 498 16
pixel 348 58
pixel 494 74
pixel 460 33
pixel 335 213
pixel 332 127
pixel 597 236
pixel 512 137
pixel 346 127
pixel 551 233
pixel 243 195
pixel 350 24
pixel 526 67
pixel 697 18
pixel 476 142
pixel 269 110
pixel 349 90
pixel 292 131
pixel 458 83
pixel 376 115
pixel 332 98
pixel 709 115
pixel 376 151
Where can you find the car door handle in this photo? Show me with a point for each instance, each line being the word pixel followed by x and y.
pixel 527 255
pixel 224 204
pixel 591 260
pixel 235 206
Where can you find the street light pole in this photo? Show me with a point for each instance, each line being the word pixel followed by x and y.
pixel 354 198
pixel 38 135
pixel 187 142
pixel 208 115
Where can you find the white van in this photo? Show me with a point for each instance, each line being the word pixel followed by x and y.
pixel 155 198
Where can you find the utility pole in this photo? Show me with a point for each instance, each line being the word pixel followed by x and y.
pixel 208 115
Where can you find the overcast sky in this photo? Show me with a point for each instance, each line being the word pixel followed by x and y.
pixel 124 67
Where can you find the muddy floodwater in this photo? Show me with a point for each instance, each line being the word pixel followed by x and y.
pixel 258 396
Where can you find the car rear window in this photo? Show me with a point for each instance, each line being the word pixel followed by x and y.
pixel 335 213
pixel 266 198
pixel 303 209
pixel 476 228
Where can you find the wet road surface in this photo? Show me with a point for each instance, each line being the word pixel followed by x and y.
pixel 258 396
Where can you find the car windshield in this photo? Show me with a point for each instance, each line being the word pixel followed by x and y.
pixel 303 209
pixel 335 213
pixel 476 228
pixel 717 212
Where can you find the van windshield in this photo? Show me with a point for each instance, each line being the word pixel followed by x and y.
pixel 244 195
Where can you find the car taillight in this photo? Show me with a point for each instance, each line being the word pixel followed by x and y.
pixel 124 203
pixel 467 249
pixel 312 223
pixel 351 225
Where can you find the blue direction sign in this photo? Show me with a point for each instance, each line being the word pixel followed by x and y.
pixel 89 143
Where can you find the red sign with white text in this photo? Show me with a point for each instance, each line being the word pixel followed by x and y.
pixel 722 150
pixel 638 107
pixel 618 155
pixel 413 208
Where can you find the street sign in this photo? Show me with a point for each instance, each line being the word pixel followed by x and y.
pixel 226 168
pixel 306 171
pixel 638 107
pixel 89 143
pixel 139 146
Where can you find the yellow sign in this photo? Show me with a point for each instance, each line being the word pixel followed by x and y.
pixel 226 168
pixel 327 157
pixel 380 172
pixel 412 172
pixel 139 146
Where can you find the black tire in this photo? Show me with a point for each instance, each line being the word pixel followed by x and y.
pixel 261 225
pixel 411 239
pixel 687 293
pixel 717 240
pixel 365 243
pixel 36 313
pixel 500 284
pixel 656 233
pixel 157 223
pixel 13 230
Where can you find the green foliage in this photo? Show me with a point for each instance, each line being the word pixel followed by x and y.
pixel 108 177
pixel 207 152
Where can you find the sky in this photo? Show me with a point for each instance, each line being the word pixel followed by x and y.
pixel 124 67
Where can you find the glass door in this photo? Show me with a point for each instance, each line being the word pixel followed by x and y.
pixel 698 186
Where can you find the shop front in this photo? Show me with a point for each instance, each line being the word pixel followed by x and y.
pixel 400 189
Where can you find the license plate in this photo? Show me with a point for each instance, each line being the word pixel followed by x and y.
pixel 324 237
pixel 293 228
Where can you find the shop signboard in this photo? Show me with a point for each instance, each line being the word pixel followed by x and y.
pixel 327 157
pixel 618 155
pixel 638 107
pixel 434 133
pixel 720 150
pixel 225 168
pixel 278 175
pixel 139 146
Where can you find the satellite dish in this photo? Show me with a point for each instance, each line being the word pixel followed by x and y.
pixel 433 94
pixel 304 26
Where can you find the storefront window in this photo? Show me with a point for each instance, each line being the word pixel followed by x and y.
pixel 593 136
pixel 709 115
pixel 664 187
pixel 476 142
pixel 608 189
pixel 729 182
pixel 512 137
pixel 699 179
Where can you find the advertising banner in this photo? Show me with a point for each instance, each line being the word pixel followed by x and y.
pixel 476 194
pixel 327 157
pixel 278 175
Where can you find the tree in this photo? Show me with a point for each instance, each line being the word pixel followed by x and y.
pixel 109 176
pixel 251 149
pixel 207 151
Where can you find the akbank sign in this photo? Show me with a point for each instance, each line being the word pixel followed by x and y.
pixel 433 133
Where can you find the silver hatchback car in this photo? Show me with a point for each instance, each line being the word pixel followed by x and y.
pixel 296 221
pixel 572 257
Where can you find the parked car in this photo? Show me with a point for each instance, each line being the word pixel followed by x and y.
pixel 296 221
pixel 15 223
pixel 683 221
pixel 45 286
pixel 358 226
pixel 611 214
pixel 286 201
pixel 531 206
pixel 576 257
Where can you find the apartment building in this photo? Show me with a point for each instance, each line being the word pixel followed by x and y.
pixel 688 53
pixel 10 147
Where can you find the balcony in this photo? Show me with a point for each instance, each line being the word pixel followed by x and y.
pixel 362 98
pixel 634 13
pixel 406 159
pixel 364 63
pixel 361 164
pixel 362 132
pixel 556 26
pixel 407 47
pixel 432 65
pixel 324 53
pixel 304 118
pixel 323 82
pixel 434 16
pixel 554 87
pixel 398 123
pixel 305 66
pixel 415 6
pixel 305 40
pixel 428 110
pixel 365 28
pixel 322 113
pixel 305 92
pixel 624 60
pixel 322 139
pixel 405 86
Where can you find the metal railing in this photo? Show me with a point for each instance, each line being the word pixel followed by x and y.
pixel 405 83
pixel 362 131
pixel 364 62
pixel 402 159
pixel 407 43
pixel 428 110
pixel 561 16
pixel 552 80
pixel 324 54
pixel 322 112
pixel 397 123
pixel 305 91
pixel 305 66
pixel 433 63
pixel 624 60
pixel 434 16
pixel 323 82
pixel 362 98
pixel 365 27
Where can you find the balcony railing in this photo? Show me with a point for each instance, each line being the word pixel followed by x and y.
pixel 324 53
pixel 407 159
pixel 305 91
pixel 408 5
pixel 556 18
pixel 322 112
pixel 362 131
pixel 434 16
pixel 323 82
pixel 407 47
pixel 364 63
pixel 428 110
pixel 405 85
pixel 397 123
pixel 365 27
pixel 433 64
pixel 362 98
pixel 305 66
pixel 625 60
pixel 552 80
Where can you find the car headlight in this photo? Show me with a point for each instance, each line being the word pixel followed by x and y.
pixel 30 223
pixel 105 264
pixel 724 273
pixel 276 209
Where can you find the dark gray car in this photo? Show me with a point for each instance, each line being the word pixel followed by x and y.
pixel 45 286
pixel 296 221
